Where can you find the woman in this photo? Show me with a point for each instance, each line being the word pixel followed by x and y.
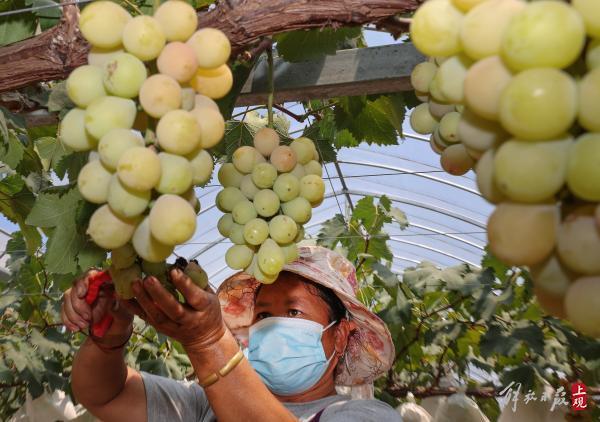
pixel 307 333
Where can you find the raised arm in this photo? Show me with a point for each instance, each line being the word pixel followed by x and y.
pixel 100 379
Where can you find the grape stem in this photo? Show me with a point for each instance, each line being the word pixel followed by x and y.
pixel 271 87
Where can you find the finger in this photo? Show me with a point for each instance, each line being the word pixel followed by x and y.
pixel 81 307
pixel 101 307
pixel 154 315
pixel 72 315
pixel 67 323
pixel 194 295
pixel 81 285
pixel 164 300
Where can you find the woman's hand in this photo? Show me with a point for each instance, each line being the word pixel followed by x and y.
pixel 196 324
pixel 78 315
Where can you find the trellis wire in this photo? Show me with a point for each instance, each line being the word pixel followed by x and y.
pixel 46 6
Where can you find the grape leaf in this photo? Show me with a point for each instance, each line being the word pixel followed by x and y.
pixel 17 27
pixel 58 99
pixel 331 230
pixel 297 46
pixel 63 247
pixel 12 151
pixel 51 149
pixel 71 164
pixel 47 17
pixel 374 123
pixel 90 255
pixel 47 346
pixel 52 209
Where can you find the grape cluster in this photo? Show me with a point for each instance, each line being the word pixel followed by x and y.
pixel 268 194
pixel 513 90
pixel 144 186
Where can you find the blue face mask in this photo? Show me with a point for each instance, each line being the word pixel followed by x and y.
pixel 288 354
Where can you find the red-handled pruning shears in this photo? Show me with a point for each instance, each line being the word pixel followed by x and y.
pixel 96 281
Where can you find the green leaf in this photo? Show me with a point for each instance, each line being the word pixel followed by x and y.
pixel 47 346
pixel 12 151
pixel 303 45
pixel 394 107
pixel 385 274
pixel 90 256
pixel 365 212
pixel 399 217
pixel 59 100
pixel 237 133
pixel 52 209
pixel 47 17
pixel 15 28
pixel 374 124
pixel 51 150
pixel 331 230
pixel 63 247
pixel 71 164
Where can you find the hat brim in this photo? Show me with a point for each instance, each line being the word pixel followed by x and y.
pixel 370 351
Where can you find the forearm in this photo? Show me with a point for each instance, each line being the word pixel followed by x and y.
pixel 240 395
pixel 98 376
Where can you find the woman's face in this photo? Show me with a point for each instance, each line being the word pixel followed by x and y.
pixel 290 297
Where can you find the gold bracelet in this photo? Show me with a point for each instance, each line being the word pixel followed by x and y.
pixel 226 369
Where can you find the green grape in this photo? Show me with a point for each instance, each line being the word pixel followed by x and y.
pixel 552 276
pixel 313 167
pixel 299 209
pixel 202 166
pixel 139 168
pixel 225 224
pixel 125 201
pixel 84 85
pixel 114 143
pixel 178 132
pixel 592 56
pixel 439 110
pixel 422 121
pixel 309 143
pixel 264 175
pixel 197 274
pixel 583 172
pixel 258 274
pixel 484 84
pixel 108 230
pixel 248 187
pixel 270 257
pixel 72 131
pixel 123 257
pixel 287 187
pixel 156 269
pixel 283 229
pixel 266 203
pixel 483 27
pixel 212 47
pixel 124 75
pixel 255 231
pixel 243 212
pixel 466 5
pixel 102 23
pixel 421 96
pixel 178 61
pixel 422 75
pixel 283 158
pixel 439 142
pixel 290 252
pixel 300 235
pixel 589 101
pixel 299 171
pixel 176 174
pixel 484 170
pixel 434 147
pixel 239 257
pixel 236 235
pixel 479 134
pixel 93 181
pixel 435 28
pixel 172 220
pixel 303 150
pixel 106 113
pixel 99 56
pixel 143 37
pixel 456 161
pixel 228 198
pixel 531 39
pixel 192 199
pixel 582 305
pixel 449 127
pixel 520 234
pixel 123 279
pixel 539 104
pixel 146 246
pixel 531 172
pixel 245 158
pixel 590 11
pixel 266 140
pixel 178 20
pixel 312 188
pixel 451 76
pixel 229 176
pixel 214 83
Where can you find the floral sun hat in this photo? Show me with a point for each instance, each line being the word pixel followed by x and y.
pixel 370 352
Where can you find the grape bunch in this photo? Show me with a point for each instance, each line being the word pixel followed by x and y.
pixel 268 194
pixel 158 75
pixel 512 89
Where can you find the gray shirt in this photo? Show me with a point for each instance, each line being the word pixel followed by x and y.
pixel 173 401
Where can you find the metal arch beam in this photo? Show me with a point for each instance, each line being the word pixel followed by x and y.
pixel 429 248
pixel 412 172
pixel 430 229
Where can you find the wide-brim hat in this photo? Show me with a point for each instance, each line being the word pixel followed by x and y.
pixel 370 352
